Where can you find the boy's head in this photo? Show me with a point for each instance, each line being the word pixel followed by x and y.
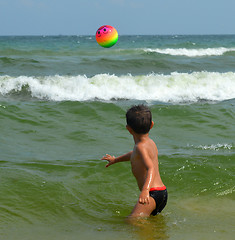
pixel 139 118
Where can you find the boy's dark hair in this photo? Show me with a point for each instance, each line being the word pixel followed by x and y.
pixel 139 118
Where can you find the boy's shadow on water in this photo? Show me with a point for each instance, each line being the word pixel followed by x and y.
pixel 149 228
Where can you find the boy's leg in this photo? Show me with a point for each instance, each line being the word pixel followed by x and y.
pixel 143 210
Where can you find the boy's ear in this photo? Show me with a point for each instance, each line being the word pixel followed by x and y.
pixel 152 123
pixel 129 129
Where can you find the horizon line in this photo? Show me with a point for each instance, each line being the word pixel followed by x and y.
pixel 80 35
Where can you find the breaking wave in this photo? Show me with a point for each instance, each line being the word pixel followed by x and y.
pixel 192 52
pixel 175 88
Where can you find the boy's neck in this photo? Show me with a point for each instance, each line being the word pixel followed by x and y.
pixel 140 137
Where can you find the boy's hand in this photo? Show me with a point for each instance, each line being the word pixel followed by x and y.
pixel 144 197
pixel 109 158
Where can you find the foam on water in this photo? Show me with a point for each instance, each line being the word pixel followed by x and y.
pixel 214 147
pixel 192 52
pixel 176 87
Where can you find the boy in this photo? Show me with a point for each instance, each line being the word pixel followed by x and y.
pixel 144 163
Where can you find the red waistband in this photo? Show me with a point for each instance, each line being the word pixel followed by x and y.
pixel 158 188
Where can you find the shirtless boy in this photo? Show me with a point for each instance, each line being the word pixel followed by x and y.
pixel 144 163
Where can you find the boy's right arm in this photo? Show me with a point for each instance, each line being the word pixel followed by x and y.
pixel 111 159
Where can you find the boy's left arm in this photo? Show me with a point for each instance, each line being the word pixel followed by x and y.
pixel 144 195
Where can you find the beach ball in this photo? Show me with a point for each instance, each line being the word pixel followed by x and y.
pixel 106 36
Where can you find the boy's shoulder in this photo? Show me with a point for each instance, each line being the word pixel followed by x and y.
pixel 143 146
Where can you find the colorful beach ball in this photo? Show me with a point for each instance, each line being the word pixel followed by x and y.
pixel 106 36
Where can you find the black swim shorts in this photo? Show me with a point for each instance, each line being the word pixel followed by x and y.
pixel 159 194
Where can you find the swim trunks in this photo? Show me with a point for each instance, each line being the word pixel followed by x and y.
pixel 159 194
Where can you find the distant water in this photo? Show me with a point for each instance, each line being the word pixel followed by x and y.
pixel 62 107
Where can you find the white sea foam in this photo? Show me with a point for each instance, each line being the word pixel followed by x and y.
pixel 176 87
pixel 226 192
pixel 200 52
pixel 215 147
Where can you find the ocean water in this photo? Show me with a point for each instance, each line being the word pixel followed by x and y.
pixel 62 107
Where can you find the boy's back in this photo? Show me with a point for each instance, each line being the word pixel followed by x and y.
pixel 139 169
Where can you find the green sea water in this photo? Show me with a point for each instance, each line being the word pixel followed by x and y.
pixel 57 123
pixel 54 185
